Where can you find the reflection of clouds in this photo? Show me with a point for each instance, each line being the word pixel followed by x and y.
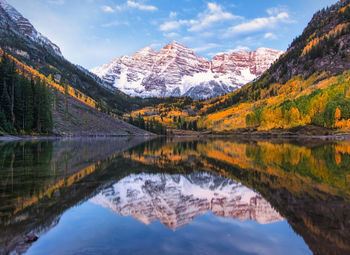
pixel 243 237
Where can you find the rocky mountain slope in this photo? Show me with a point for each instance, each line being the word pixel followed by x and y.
pixel 305 91
pixel 177 71
pixel 13 20
pixel 175 200
pixel 308 85
pixel 82 120
pixel 21 39
pixel 73 112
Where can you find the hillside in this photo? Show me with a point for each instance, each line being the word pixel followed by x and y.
pixel 308 85
pixel 20 38
pixel 41 105
pixel 81 119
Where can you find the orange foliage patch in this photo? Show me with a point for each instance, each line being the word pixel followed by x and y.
pixel 32 73
pixel 315 41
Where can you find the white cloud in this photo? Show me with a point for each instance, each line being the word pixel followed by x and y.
pixel 270 35
pixel 169 25
pixel 276 10
pixel 107 8
pixel 140 6
pixel 172 15
pixel 258 24
pixel 213 14
pixel 238 49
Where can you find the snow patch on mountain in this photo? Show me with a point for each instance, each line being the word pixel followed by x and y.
pixel 177 71
pixel 24 27
pixel 175 200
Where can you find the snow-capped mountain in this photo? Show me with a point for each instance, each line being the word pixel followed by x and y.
pixel 177 71
pixel 175 200
pixel 10 17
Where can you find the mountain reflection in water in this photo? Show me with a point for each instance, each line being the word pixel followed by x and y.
pixel 175 200
pixel 76 196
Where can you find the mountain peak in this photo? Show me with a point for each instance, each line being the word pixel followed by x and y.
pixel 175 45
pixel 183 198
pixel 177 71
pixel 145 51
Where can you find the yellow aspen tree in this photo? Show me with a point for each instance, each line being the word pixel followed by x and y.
pixel 337 114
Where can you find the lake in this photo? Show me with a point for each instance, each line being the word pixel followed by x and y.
pixel 131 195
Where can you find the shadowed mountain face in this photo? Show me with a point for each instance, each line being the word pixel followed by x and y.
pixel 176 182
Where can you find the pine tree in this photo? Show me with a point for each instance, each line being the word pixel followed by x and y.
pixel 45 116
pixel 6 102
pixel 19 104
pixel 4 125
pixel 6 109
pixel 28 106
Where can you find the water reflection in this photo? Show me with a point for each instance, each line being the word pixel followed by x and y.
pixel 188 185
pixel 175 200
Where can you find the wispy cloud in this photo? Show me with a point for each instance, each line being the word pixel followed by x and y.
pixel 107 8
pixel 213 14
pixel 270 35
pixel 170 25
pixel 172 15
pixel 276 10
pixel 140 6
pixel 258 24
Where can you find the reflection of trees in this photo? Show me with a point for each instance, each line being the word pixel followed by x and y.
pixel 25 169
pixel 322 166
pixel 306 182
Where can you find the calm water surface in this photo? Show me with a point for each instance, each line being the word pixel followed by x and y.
pixel 175 196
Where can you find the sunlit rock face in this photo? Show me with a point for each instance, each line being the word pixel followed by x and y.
pixel 175 200
pixel 177 71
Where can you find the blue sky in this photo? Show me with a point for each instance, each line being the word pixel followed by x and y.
pixel 93 32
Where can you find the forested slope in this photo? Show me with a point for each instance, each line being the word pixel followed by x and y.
pixel 308 86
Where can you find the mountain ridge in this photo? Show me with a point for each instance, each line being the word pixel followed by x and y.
pixel 20 24
pixel 175 70
pixel 306 91
pixel 20 38
pixel 175 200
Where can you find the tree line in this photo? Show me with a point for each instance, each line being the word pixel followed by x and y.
pixel 181 123
pixel 152 125
pixel 25 104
